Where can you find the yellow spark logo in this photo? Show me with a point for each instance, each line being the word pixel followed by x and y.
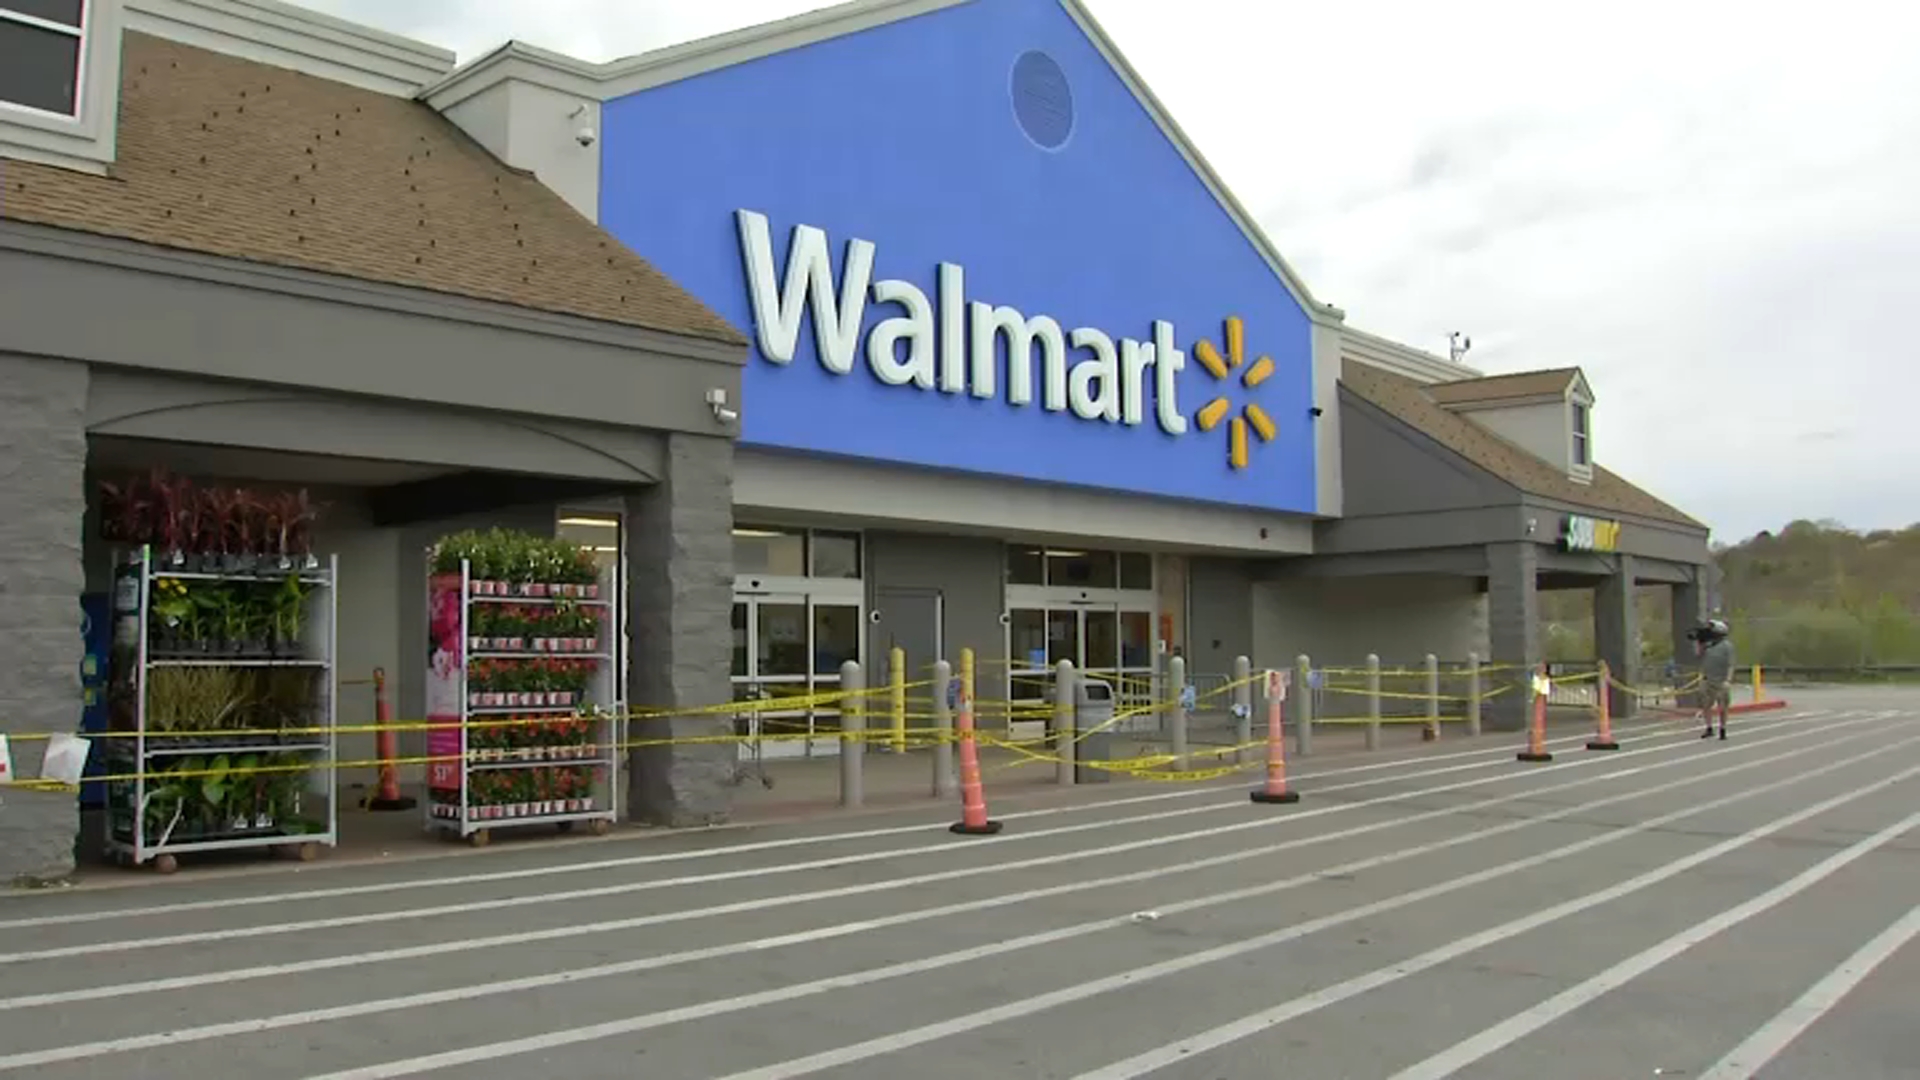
pixel 1222 368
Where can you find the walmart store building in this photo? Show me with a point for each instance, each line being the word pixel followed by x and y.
pixel 1025 378
pixel 973 343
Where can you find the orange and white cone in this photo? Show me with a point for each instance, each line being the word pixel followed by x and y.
pixel 1537 731
pixel 973 799
pixel 1603 739
pixel 1276 790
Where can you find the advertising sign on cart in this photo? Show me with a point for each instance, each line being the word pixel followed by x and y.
pixel 446 681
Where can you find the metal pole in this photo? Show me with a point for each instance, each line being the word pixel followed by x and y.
pixel 945 784
pixel 1242 708
pixel 1473 695
pixel 897 697
pixel 1177 685
pixel 1302 705
pixel 1373 701
pixel 853 728
pixel 1433 697
pixel 1063 684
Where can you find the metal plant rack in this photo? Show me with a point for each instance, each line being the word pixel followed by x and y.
pixel 454 759
pixel 141 756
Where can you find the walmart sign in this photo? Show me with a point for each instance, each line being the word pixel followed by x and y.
pixel 948 345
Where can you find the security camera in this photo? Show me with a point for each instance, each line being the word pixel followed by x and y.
pixel 586 136
pixel 724 414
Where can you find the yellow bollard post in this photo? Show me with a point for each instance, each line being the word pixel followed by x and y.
pixel 966 674
pixel 1759 687
pixel 897 698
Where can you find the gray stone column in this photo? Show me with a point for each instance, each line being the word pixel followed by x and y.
pixel 1616 631
pixel 43 460
pixel 680 590
pixel 1513 630
pixel 1689 611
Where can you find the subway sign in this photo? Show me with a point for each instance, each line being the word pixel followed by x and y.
pixel 1579 533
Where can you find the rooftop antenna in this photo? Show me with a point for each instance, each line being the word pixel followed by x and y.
pixel 1457 346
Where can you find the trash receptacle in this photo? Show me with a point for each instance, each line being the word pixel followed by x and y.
pixel 1092 712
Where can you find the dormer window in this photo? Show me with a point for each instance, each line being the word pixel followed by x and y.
pixel 42 49
pixel 1582 452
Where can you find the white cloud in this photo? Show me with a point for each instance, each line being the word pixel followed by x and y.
pixel 1708 205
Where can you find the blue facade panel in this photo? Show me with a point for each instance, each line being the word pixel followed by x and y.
pixel 994 137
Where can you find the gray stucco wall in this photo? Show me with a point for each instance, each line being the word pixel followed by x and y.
pixel 1399 617
pixel 1390 468
pixel 1220 603
pixel 968 573
pixel 42 505
pixel 680 595
pixel 1513 619
pixel 293 328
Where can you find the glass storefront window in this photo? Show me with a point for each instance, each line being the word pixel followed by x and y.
pixel 742 651
pixel 1136 570
pixel 836 555
pixel 771 551
pixel 1136 639
pixel 1026 566
pixel 1028 637
pixel 1103 640
pixel 1081 569
pixel 782 634
pixel 836 637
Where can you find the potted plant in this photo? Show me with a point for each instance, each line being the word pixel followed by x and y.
pixel 287 615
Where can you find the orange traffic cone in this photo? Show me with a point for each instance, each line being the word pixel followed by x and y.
pixel 1603 740
pixel 1537 731
pixel 387 747
pixel 973 799
pixel 1276 790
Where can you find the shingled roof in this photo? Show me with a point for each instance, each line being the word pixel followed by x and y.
pixel 1414 405
pixel 1494 388
pixel 236 158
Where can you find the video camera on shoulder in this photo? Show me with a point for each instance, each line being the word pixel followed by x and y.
pixel 1708 632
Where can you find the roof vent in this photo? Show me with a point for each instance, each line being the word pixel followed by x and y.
pixel 1042 100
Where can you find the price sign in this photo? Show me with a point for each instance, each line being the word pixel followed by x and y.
pixel 1277 680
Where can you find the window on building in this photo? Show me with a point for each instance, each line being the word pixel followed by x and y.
pixel 1582 454
pixel 1026 565
pixel 836 555
pixel 770 551
pixel 1082 569
pixel 42 43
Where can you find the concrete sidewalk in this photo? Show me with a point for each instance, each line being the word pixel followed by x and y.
pixel 898 786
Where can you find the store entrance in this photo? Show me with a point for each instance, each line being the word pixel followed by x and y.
pixel 1105 638
pixel 788 647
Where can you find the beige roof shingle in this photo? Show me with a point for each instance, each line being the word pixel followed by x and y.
pixel 1492 388
pixel 240 159
pixel 1414 405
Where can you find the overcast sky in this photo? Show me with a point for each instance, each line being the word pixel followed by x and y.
pixel 1712 207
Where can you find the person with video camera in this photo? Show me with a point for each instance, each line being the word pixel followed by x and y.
pixel 1714 642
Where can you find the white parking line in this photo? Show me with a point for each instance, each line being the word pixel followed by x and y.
pixel 1021 1009
pixel 1185 1049
pixel 1521 1024
pixel 1491 755
pixel 939 847
pixel 372 1007
pixel 1778 1033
